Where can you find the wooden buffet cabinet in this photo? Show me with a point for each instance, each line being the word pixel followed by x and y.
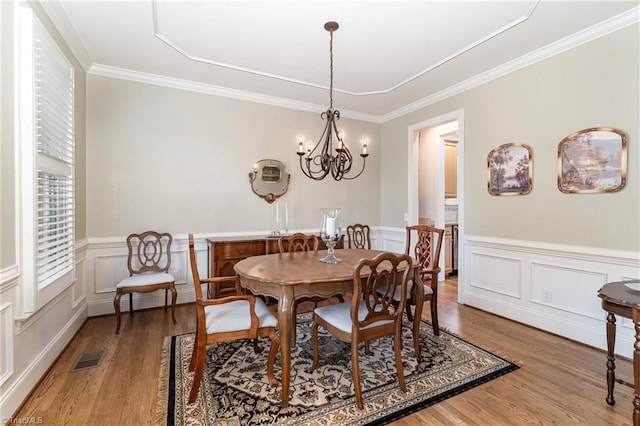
pixel 225 252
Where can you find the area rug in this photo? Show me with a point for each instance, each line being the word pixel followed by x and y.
pixel 235 390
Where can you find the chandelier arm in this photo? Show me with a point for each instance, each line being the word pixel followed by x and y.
pixel 364 160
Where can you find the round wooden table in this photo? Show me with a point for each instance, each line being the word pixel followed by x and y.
pixel 288 277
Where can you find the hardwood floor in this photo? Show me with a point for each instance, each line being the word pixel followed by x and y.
pixel 560 382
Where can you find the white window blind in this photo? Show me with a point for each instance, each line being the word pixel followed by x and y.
pixel 46 160
pixel 54 142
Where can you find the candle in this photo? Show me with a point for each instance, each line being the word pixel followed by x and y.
pixel 364 145
pixel 286 217
pixel 331 226
pixel 340 144
pixel 300 144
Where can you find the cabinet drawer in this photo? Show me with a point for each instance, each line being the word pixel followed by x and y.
pixel 238 250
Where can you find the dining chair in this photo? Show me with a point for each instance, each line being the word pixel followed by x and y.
pixel 291 244
pixel 427 248
pixel 148 262
pixel 298 242
pixel 240 316
pixel 372 312
pixel 358 236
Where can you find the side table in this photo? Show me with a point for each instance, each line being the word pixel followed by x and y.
pixel 620 298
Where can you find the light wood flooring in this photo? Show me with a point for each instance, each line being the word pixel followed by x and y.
pixel 560 382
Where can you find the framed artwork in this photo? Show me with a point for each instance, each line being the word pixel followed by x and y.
pixel 592 160
pixel 510 170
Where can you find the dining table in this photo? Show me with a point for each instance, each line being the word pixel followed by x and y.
pixel 290 277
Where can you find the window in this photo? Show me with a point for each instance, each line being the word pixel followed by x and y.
pixel 46 160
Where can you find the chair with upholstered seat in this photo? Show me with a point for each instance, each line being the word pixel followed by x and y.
pixel 372 312
pixel 227 318
pixel 148 261
pixel 358 236
pixel 427 248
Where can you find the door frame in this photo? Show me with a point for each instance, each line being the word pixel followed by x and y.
pixel 413 140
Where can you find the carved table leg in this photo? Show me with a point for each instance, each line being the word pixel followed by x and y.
pixel 636 369
pixel 611 358
pixel 285 320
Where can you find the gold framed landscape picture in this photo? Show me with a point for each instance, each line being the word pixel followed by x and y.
pixel 510 170
pixel 592 160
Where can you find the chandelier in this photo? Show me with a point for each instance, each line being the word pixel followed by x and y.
pixel 317 162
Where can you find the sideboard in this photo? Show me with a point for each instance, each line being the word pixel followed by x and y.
pixel 224 252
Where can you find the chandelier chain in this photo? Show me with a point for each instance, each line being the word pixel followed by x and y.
pixel 331 68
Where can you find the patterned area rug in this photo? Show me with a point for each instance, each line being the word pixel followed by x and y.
pixel 235 390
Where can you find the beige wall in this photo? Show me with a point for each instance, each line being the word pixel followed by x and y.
pixel 175 160
pixel 593 85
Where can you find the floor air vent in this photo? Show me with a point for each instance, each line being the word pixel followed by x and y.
pixel 89 360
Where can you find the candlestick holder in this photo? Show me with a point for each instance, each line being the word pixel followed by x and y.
pixel 330 232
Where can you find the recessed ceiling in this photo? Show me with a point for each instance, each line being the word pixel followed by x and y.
pixel 387 54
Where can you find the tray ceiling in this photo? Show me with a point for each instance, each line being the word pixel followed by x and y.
pixel 388 55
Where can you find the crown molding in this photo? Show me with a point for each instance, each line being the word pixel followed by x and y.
pixel 209 89
pixel 594 32
pixel 60 19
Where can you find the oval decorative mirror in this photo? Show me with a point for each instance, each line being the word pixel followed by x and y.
pixel 269 179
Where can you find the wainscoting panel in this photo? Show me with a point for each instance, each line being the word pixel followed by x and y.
pixel 551 287
pixel 6 342
pixel 391 239
pixel 78 288
pixel 496 273
pixel 567 289
pixel 109 270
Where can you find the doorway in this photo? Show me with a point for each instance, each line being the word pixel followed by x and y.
pixel 426 189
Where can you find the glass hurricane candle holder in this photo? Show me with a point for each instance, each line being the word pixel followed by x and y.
pixel 330 232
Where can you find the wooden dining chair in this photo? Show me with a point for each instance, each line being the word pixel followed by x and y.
pixel 291 244
pixel 148 262
pixel 358 236
pixel 235 317
pixel 427 248
pixel 298 242
pixel 372 312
